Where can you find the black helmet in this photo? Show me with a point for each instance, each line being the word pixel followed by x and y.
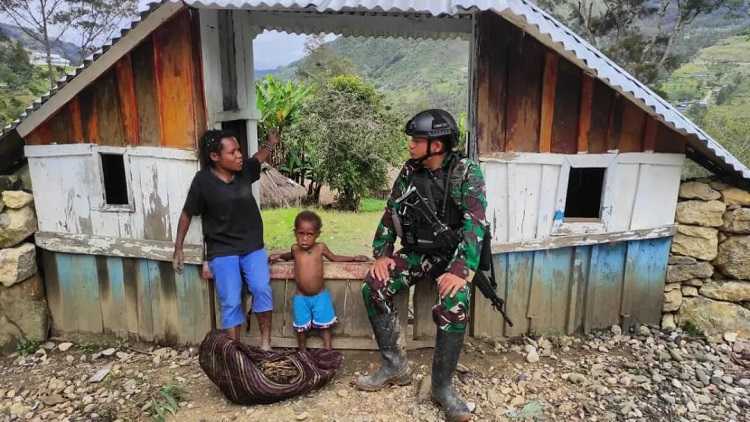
pixel 433 124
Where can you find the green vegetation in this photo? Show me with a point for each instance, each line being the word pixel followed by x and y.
pixel 25 346
pixel 166 402
pixel 346 233
pixel 20 82
pixel 714 87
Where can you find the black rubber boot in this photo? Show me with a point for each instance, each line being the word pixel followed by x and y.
pixel 394 369
pixel 447 350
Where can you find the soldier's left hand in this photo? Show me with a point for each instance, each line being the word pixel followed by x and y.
pixel 449 284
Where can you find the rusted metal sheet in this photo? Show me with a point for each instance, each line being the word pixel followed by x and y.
pixel 126 297
pixel 574 289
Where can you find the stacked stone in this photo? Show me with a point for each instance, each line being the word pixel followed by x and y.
pixel 23 307
pixel 708 277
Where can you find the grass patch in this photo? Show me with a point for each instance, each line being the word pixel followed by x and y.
pixel 166 402
pixel 345 233
pixel 26 347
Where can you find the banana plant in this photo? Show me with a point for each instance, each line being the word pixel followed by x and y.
pixel 279 102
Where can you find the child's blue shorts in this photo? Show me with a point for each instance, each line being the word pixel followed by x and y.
pixel 313 311
pixel 228 273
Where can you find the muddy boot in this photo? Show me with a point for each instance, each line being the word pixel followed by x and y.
pixel 447 349
pixel 394 370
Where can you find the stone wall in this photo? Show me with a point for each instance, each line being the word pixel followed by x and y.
pixel 23 307
pixel 708 278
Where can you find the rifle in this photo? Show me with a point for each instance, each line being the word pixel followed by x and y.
pixel 413 198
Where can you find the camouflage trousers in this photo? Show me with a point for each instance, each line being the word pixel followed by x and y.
pixel 451 314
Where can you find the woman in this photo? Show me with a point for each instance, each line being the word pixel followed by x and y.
pixel 221 192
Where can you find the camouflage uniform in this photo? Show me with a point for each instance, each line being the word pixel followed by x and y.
pixel 467 190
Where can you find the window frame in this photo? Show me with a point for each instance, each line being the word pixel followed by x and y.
pixel 568 226
pixel 102 204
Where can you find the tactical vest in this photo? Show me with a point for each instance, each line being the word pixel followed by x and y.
pixel 426 210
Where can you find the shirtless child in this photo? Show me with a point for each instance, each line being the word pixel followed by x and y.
pixel 312 305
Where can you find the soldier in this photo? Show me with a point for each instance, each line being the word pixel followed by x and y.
pixel 437 209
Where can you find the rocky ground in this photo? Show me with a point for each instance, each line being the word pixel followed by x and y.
pixel 601 377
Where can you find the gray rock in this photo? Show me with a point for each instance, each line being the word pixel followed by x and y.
pixel 669 399
pixel 108 352
pixel 17 264
pixel 576 378
pixel 101 374
pixel 689 291
pixel 715 317
pixel 728 291
pixel 17 199
pixel 681 260
pixel 735 196
pixel 24 313
pixel 707 214
pixel 16 226
pixel 672 300
pixel 64 347
pixel 737 221
pixel 680 273
pixel 698 190
pixel 532 356
pixel 733 259
pixel 668 322
pixel 698 242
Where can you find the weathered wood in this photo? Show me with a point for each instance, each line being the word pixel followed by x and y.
pixel 547 200
pixel 633 124
pixel 193 305
pixel 53 289
pixel 645 273
pixel 227 57
pixel 60 126
pixel 650 133
pixel 100 245
pixel 549 90
pixel 149 124
pixel 130 282
pixel 518 284
pixel 154 187
pixel 627 186
pixel 601 110
pixel 615 123
pixel 211 63
pixel 99 66
pixel 110 124
pixel 332 270
pixel 42 135
pixel 76 122
pixel 524 92
pixel 89 117
pixel 584 239
pixel 567 109
pixel 584 112
pixel 174 73
pixel 524 182
pixel 485 320
pixel 605 285
pixel 578 279
pixel 656 197
pixel 425 297
pixel 668 140
pixel 492 70
pixel 112 295
pixel 128 103
pixel 550 290
pixel 144 301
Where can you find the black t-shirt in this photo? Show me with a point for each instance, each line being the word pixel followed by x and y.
pixel 231 218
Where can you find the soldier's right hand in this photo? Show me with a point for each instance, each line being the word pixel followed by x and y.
pixel 382 267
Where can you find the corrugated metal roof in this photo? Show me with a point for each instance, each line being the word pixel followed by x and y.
pixel 523 13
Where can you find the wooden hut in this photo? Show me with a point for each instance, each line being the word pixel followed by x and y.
pixel 582 164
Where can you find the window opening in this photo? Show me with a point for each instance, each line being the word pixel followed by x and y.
pixel 115 181
pixel 583 200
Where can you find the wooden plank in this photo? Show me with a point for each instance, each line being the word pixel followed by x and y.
pixel 578 284
pixel 53 289
pixel 615 124
pixel 193 305
pixel 496 177
pixel 601 110
pixel 605 285
pixel 164 306
pixel 550 291
pixel 645 272
pixel 518 284
pixel 42 135
pixel 656 197
pixel 668 140
pixel 89 117
pixel 199 99
pixel 485 320
pixel 626 185
pixel 174 73
pixel 357 324
pixel 585 112
pixel 149 125
pixel 145 300
pixel 524 93
pixel 76 122
pixel 547 200
pixel 111 246
pixel 633 125
pixel 525 183
pixel 425 297
pixel 130 289
pixel 110 122
pixel 567 109
pixel 128 102
pixel 228 60
pixel 88 309
pixel 650 133
pixel 67 275
pixel 549 90
pixel 112 295
pixel 492 70
pixel 211 63
pixel 154 194
pixel 61 126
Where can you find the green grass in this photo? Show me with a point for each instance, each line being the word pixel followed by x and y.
pixel 345 233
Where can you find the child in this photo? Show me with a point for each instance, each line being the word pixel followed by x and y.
pixel 312 305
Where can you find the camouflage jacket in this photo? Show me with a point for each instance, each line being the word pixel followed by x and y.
pixel 467 190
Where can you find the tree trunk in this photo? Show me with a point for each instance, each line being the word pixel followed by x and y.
pixel 48 52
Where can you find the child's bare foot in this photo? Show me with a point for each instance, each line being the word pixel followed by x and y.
pixel 265 346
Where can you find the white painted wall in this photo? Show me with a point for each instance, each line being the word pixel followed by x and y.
pixel 69 198
pixel 526 193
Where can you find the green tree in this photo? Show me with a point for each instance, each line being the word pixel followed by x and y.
pixel 350 138
pixel 638 34
pixel 95 21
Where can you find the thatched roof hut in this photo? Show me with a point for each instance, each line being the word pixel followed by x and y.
pixel 276 190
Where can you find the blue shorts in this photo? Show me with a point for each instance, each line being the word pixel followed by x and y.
pixel 228 273
pixel 313 311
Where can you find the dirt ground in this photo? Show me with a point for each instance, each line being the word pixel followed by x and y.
pixel 604 377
